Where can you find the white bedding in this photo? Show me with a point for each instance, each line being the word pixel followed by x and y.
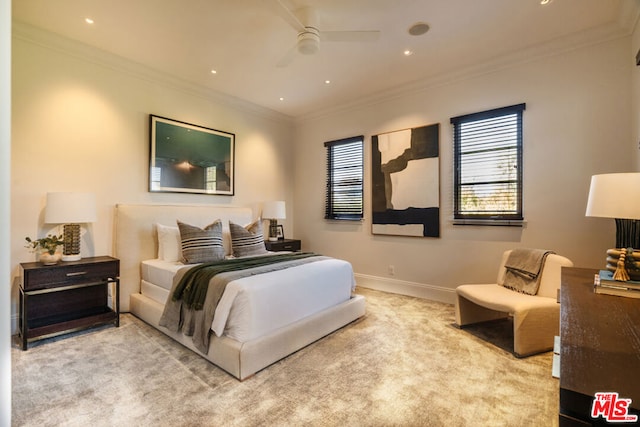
pixel 254 306
pixel 160 272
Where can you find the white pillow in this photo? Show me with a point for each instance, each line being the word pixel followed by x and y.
pixel 169 243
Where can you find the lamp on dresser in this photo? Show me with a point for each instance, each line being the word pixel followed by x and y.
pixel 617 195
pixel 70 209
pixel 273 211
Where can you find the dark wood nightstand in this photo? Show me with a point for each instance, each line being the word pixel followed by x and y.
pixel 68 296
pixel 283 245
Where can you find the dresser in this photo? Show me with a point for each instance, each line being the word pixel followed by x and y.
pixel 599 348
pixel 68 296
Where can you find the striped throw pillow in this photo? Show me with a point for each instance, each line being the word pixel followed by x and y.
pixel 246 241
pixel 201 245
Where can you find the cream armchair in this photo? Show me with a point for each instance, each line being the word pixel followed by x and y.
pixel 536 318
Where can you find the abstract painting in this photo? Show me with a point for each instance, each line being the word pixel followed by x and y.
pixel 406 182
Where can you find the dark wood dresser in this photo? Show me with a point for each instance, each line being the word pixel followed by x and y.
pixel 599 348
pixel 68 296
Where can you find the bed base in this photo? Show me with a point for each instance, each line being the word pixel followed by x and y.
pixel 242 360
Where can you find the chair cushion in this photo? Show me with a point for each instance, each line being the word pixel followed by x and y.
pixel 499 298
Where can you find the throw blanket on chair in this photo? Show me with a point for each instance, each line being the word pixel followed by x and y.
pixel 524 268
pixel 197 290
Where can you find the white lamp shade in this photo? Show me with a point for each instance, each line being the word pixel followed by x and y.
pixel 274 210
pixel 70 208
pixel 614 195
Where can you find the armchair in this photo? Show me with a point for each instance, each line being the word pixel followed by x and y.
pixel 536 318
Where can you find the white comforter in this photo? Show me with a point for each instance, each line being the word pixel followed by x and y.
pixel 254 306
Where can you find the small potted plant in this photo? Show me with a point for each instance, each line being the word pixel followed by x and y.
pixel 47 247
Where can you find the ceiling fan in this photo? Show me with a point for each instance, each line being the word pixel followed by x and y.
pixel 305 22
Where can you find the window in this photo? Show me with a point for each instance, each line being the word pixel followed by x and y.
pixel 488 166
pixel 210 173
pixel 344 179
pixel 156 173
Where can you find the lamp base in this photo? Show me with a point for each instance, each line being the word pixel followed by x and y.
pixel 627 233
pixel 632 262
pixel 273 230
pixel 74 257
pixel 71 250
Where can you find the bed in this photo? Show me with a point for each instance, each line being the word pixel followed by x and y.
pixel 309 301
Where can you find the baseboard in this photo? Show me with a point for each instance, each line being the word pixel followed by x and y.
pixel 403 287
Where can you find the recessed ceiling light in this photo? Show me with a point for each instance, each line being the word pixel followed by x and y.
pixel 327 81
pixel 408 52
pixel 88 20
pixel 281 99
pixel 545 1
pixel 418 29
pixel 214 72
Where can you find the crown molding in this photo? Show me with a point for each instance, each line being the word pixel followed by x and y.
pixel 623 27
pixel 73 48
pixel 551 48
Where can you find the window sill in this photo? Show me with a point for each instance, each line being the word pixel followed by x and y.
pixel 492 222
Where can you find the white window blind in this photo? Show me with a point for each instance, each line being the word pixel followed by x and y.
pixel 488 164
pixel 344 189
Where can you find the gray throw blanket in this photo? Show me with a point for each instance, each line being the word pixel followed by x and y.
pixel 524 268
pixel 179 317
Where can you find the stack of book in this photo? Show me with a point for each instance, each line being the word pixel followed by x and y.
pixel 604 284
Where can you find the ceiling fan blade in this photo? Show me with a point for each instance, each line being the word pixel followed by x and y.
pixel 349 36
pixel 289 17
pixel 288 57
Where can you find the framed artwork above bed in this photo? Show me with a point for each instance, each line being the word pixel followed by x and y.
pixel 186 158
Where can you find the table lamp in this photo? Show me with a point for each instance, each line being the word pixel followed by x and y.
pixel 617 195
pixel 70 209
pixel 273 211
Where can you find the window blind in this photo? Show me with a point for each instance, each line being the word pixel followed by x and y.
pixel 488 164
pixel 344 188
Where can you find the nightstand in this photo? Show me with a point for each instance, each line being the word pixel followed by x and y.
pixel 68 296
pixel 283 245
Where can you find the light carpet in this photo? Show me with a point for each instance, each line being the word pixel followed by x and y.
pixel 403 364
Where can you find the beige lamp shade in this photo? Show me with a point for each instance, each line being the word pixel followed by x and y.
pixel 274 210
pixel 614 195
pixel 617 195
pixel 70 208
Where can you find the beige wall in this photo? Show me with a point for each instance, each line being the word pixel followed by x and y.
pixel 635 94
pixel 5 167
pixel 576 124
pixel 80 123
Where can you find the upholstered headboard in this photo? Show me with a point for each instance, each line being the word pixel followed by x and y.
pixel 136 235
